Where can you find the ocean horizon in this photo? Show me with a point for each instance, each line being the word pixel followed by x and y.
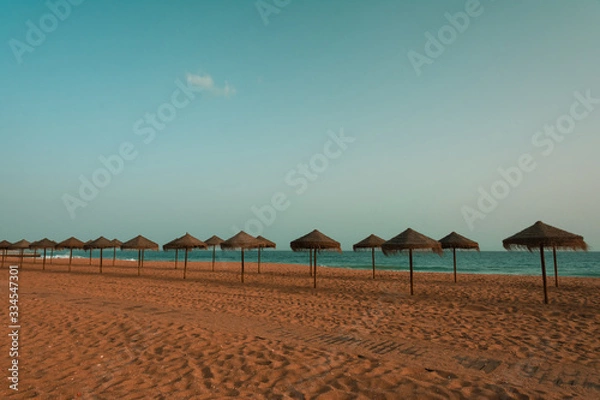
pixel 575 264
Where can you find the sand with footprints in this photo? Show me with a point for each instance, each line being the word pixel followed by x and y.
pixel 117 335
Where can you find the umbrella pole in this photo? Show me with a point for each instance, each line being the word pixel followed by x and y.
pixel 34 255
pixel 544 273
pixel 44 261
pixel 315 268
pixel 101 260
pixel 185 263
pixel 454 257
pixel 373 259
pixel 555 266
pixel 90 256
pixel 213 260
pixel 70 258
pixel 242 265
pixel 114 255
pixel 411 271
pixel 51 256
pixel 176 257
pixel 259 260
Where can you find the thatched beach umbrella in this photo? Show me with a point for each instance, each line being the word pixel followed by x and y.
pixel 140 244
pixel 43 244
pixel 315 241
pixel 186 242
pixel 411 240
pixel 52 253
pixel 264 244
pixel 4 246
pixel 455 241
pixel 241 241
pixel 371 242
pixel 214 241
pixel 169 246
pixel 70 243
pixel 100 243
pixel 86 248
pixel 21 245
pixel 540 235
pixel 116 243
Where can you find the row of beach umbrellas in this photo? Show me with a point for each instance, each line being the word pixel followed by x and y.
pixel 69 244
pixel 409 240
pixel 538 236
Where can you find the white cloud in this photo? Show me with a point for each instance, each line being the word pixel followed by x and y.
pixel 206 83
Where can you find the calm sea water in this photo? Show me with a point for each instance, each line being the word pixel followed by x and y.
pixel 486 262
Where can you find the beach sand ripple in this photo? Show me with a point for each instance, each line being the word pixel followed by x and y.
pixel 117 335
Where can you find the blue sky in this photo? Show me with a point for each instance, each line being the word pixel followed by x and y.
pixel 268 92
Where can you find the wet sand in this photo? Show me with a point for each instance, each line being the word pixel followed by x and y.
pixel 116 335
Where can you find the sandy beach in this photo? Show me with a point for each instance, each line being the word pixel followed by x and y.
pixel 116 335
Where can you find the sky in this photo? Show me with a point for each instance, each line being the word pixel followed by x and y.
pixel 281 116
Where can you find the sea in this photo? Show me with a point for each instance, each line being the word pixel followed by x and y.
pixel 570 263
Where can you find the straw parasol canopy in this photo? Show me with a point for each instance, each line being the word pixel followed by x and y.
pixel 4 246
pixel 540 235
pixel 214 241
pixel 43 244
pixel 411 240
pixel 70 243
pixel 140 244
pixel 117 243
pixel 264 244
pixel 455 241
pixel 100 243
pixel 187 242
pixel 21 245
pixel 313 242
pixel 241 241
pixel 371 242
